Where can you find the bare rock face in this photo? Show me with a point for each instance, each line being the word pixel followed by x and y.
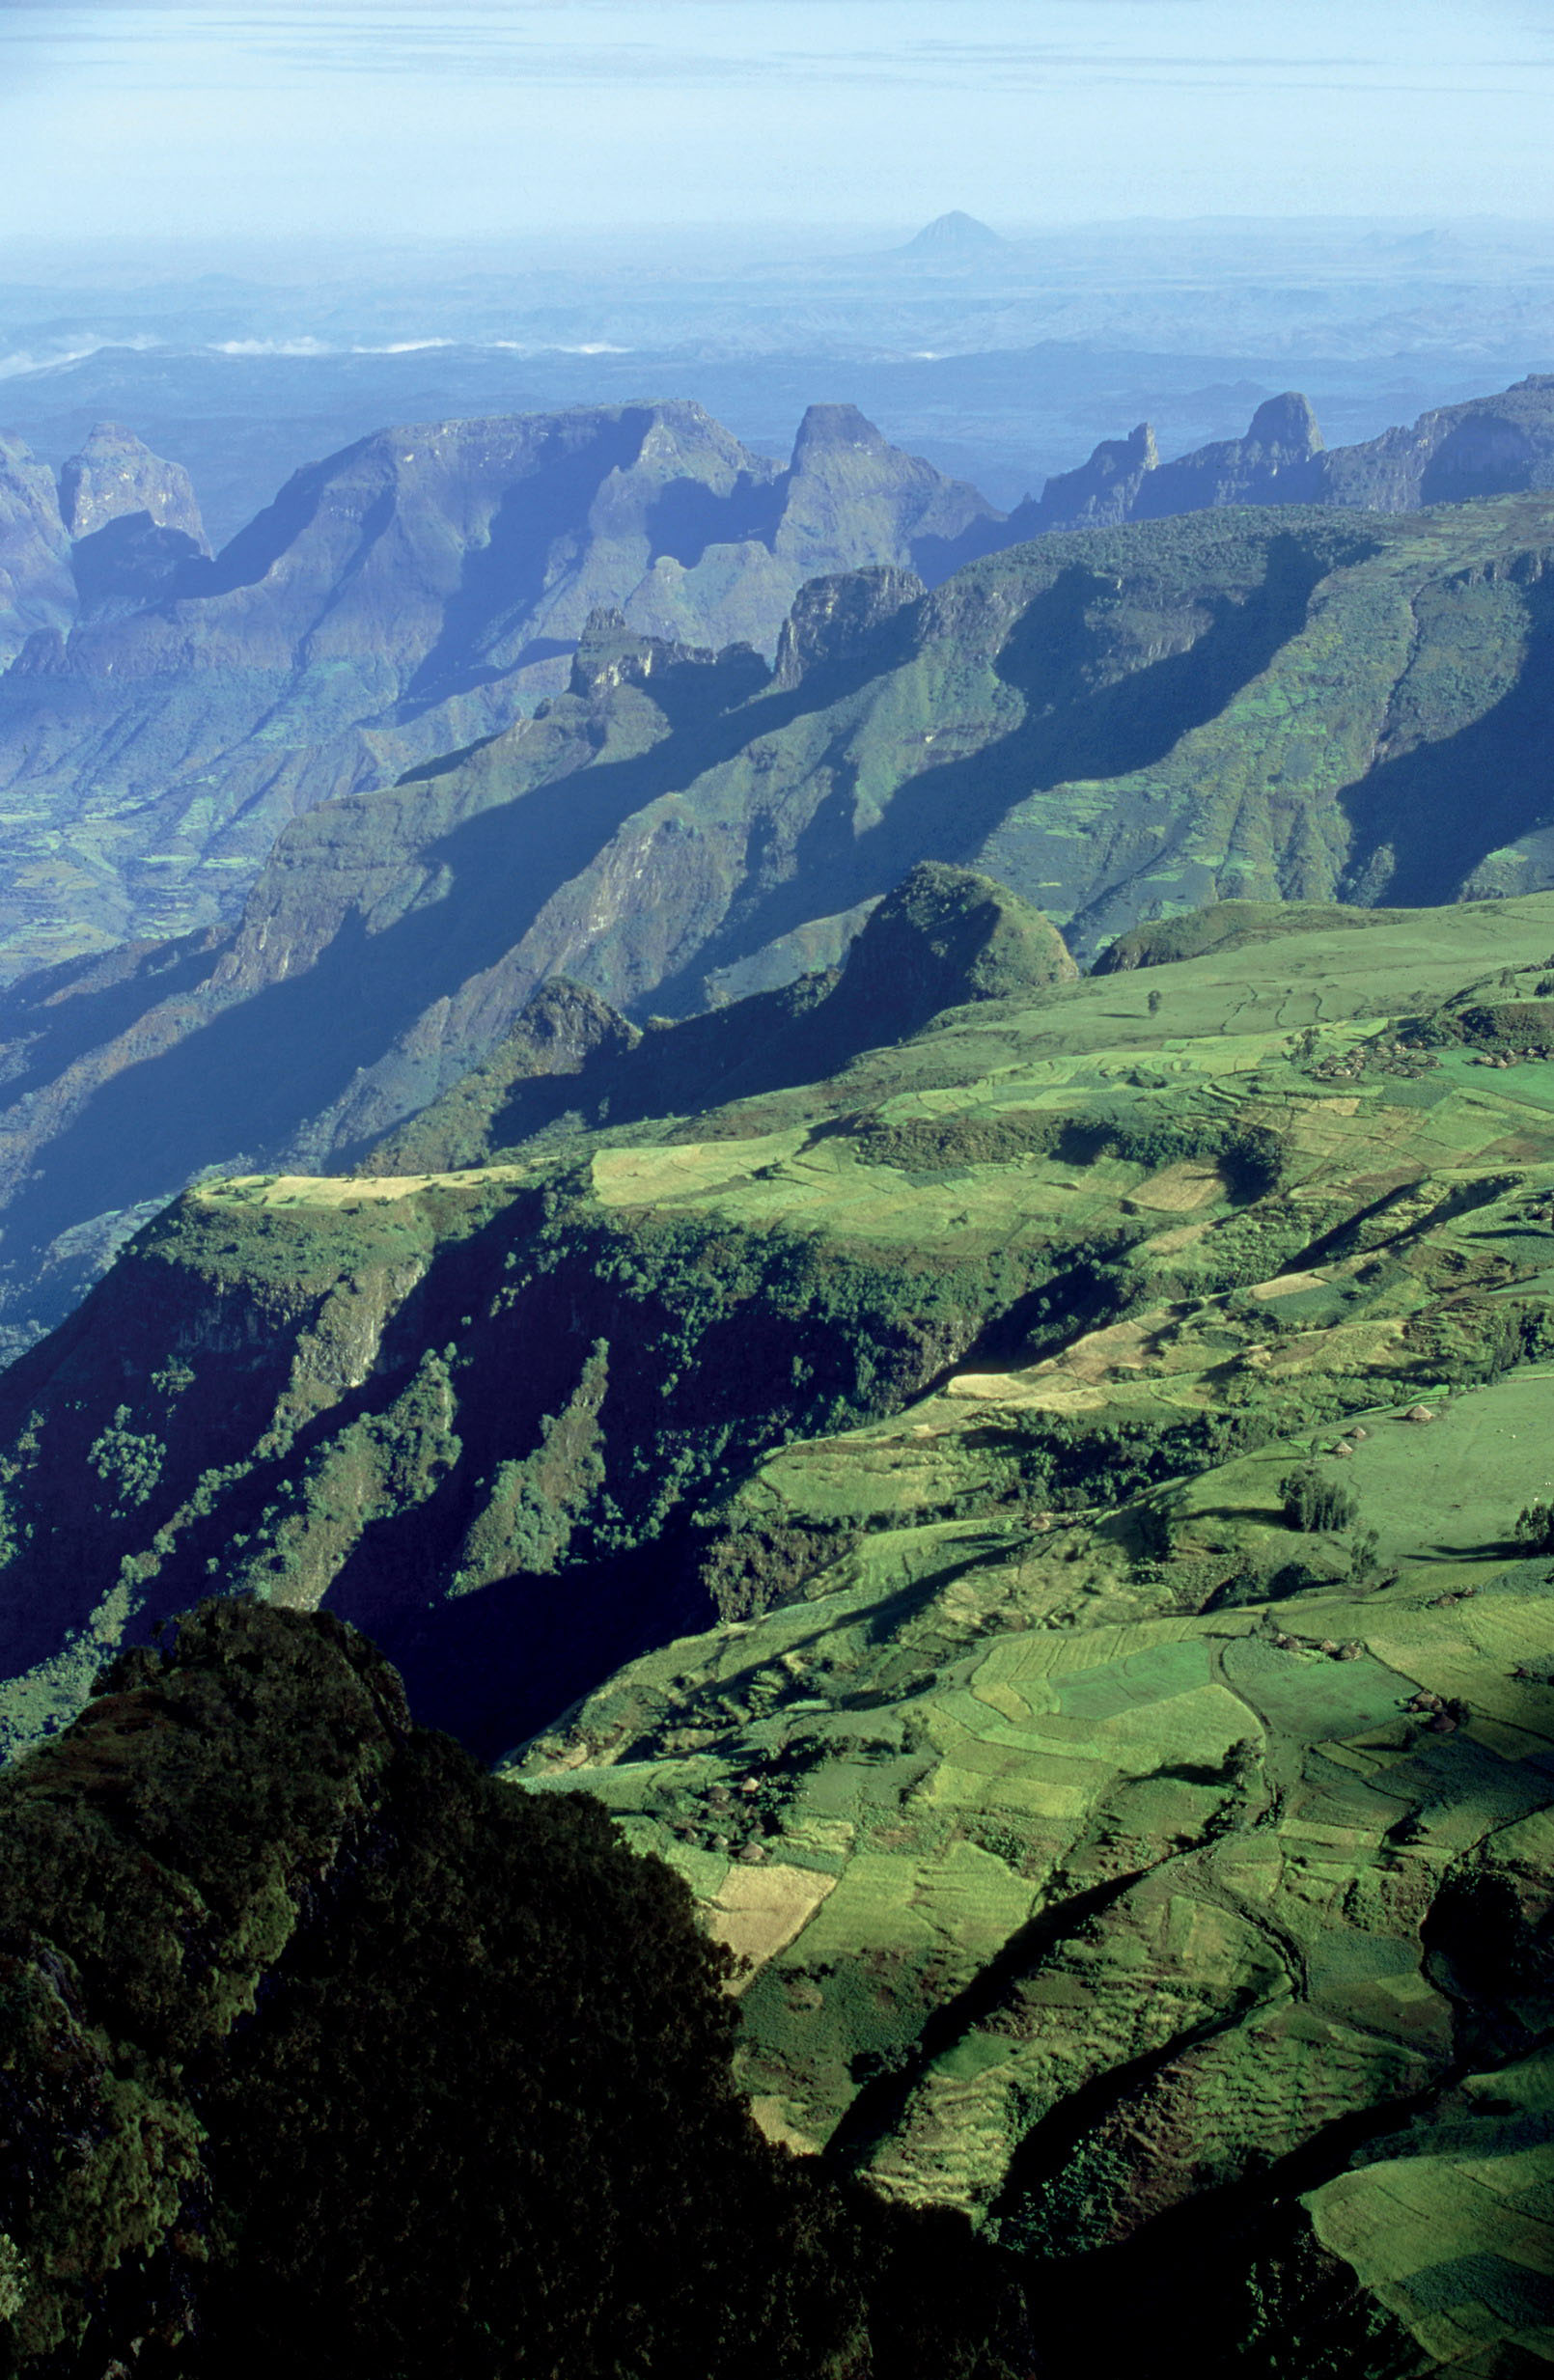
pixel 1100 491
pixel 834 619
pixel 116 473
pixel 36 589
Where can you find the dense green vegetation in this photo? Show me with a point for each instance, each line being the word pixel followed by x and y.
pixel 1025 1526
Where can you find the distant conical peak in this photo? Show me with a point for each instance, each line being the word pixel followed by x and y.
pixel 955 230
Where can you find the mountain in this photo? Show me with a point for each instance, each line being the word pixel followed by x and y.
pixel 134 523
pixel 396 600
pixel 457 2038
pixel 115 476
pixel 1239 704
pixel 1044 1528
pixel 951 235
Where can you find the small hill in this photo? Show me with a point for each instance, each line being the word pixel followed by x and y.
pixel 946 937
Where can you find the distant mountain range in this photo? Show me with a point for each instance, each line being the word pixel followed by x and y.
pixel 296 954
pixel 165 713
pixel 406 597
pixel 1119 724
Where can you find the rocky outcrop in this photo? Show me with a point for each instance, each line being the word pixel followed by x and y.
pixel 1102 491
pixel 1491 446
pixel 835 620
pixel 136 526
pixel 115 474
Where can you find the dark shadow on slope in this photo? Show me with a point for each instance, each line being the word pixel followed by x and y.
pixel 61 1012
pixel 245 1081
pixel 245 559
pixel 504 581
pixel 881 2103
pixel 688 517
pixel 935 558
pixel 1423 822
pixel 129 564
pixel 947 812
pixel 495 1667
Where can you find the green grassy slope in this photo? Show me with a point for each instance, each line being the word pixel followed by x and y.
pixel 1159 1882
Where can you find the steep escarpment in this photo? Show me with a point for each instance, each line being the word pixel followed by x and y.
pixel 1123 726
pixel 469 1412
pixel 491 1414
pixel 292 1988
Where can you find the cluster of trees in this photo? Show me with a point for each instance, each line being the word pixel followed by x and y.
pixel 1534 1532
pixel 1311 1502
pixel 324 2054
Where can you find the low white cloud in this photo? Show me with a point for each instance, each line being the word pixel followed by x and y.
pixel 23 360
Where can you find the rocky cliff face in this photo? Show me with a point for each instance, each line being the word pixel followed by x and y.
pixel 116 473
pixel 135 524
pixel 37 594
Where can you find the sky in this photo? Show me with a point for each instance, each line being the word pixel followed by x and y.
pixel 394 117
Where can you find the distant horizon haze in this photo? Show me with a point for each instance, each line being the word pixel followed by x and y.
pixel 144 120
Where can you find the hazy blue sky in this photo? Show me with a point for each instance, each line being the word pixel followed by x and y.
pixel 393 116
